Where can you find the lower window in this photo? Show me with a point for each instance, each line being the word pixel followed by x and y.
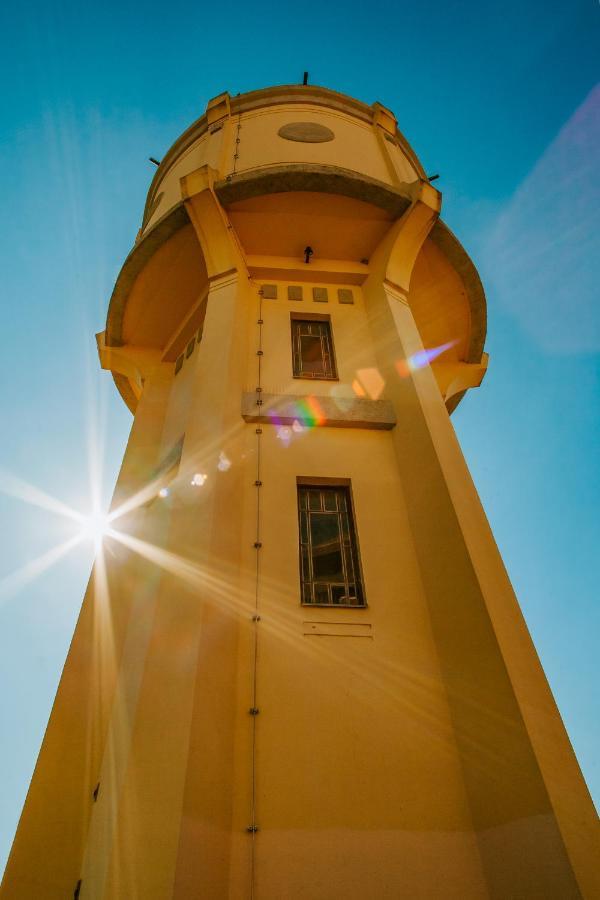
pixel 329 561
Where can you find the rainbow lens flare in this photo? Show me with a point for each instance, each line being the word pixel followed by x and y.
pixel 303 414
pixel 418 360
pixel 310 412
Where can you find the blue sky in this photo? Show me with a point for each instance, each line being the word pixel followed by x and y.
pixel 501 99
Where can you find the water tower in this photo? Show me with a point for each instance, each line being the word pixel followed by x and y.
pixel 300 670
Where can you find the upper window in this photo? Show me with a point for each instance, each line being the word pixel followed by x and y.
pixel 329 562
pixel 312 348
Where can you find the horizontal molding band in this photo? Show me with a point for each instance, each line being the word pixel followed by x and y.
pixel 319 178
pixel 310 410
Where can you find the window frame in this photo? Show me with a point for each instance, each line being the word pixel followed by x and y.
pixel 340 484
pixel 314 318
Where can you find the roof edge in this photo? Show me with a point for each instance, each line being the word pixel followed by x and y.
pixel 270 96
pixel 452 248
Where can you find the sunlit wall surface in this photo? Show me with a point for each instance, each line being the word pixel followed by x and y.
pixel 520 182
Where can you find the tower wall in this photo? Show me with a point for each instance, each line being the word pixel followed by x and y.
pixel 212 735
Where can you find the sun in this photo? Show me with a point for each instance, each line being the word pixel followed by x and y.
pixel 95 527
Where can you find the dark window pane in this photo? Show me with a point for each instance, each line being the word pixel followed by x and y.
pixel 305 564
pixel 349 562
pixel 326 547
pixel 338 594
pixel 312 355
pixel 329 498
pixel 329 567
pixel 321 593
pixel 312 349
pixel 303 528
pixel 314 500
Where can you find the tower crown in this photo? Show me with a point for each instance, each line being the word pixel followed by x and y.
pixel 269 157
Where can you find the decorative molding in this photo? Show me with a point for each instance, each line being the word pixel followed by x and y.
pixel 345 412
pixel 223 279
pixel 395 291
pixel 316 178
pixel 306 132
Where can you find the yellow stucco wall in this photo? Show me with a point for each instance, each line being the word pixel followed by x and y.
pixel 410 748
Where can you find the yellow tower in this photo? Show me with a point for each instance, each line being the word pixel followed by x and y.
pixel 300 670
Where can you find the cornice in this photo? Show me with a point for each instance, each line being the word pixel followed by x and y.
pixel 275 96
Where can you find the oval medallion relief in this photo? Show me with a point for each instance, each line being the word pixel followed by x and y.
pixel 307 132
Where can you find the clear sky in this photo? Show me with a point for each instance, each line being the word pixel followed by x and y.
pixel 502 99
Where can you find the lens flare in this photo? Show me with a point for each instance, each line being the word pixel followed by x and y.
pixel 224 463
pixel 95 527
pixel 371 382
pixel 310 412
pixel 341 398
pixel 284 434
pixel 420 359
pixel 304 414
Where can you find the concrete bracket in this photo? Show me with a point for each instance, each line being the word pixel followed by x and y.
pixel 221 249
pixel 394 258
pixel 218 108
pixel 385 126
pixel 384 118
pixel 461 376
pixel 135 363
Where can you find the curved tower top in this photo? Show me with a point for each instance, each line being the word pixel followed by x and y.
pixel 272 154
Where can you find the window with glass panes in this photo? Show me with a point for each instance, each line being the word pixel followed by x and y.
pixel 329 562
pixel 312 348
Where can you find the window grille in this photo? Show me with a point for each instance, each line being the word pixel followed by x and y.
pixel 329 560
pixel 312 349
